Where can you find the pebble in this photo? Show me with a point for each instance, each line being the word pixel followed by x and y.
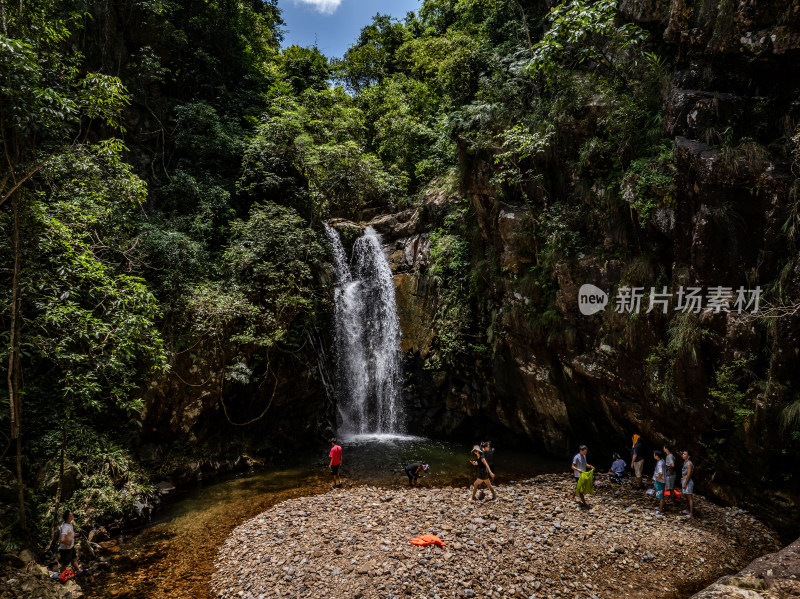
pixel 355 543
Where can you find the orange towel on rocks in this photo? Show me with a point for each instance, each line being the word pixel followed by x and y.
pixel 427 540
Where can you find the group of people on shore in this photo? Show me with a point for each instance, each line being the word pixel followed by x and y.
pixel 665 474
pixel 483 455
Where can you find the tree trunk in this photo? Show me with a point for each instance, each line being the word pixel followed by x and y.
pixel 14 399
pixel 60 490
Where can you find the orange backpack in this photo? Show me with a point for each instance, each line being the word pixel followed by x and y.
pixel 66 575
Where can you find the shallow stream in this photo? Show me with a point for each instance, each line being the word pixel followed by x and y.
pixel 173 556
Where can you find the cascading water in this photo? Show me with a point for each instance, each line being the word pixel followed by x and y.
pixel 367 338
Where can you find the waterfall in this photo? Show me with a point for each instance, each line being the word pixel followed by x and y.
pixel 367 338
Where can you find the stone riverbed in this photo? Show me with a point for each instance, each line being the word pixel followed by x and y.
pixel 533 542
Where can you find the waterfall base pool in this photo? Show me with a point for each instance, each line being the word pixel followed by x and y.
pixel 173 556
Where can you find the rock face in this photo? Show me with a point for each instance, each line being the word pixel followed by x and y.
pixel 196 388
pixel 532 542
pixel 287 398
pixel 772 576
pixel 555 378
pixel 550 377
pixel 34 581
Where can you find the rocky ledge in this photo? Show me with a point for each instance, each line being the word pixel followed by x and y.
pixel 773 576
pixel 533 542
pixel 33 582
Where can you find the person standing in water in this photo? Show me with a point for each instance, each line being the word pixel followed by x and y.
pixel 336 461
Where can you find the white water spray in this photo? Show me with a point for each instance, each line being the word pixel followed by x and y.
pixel 367 337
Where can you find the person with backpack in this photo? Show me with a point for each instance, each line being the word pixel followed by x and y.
pixel 67 556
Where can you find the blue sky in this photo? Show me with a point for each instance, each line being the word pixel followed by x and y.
pixel 335 24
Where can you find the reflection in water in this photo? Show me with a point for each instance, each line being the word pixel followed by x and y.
pixel 173 556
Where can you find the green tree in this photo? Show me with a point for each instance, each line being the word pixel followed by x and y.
pixel 309 154
pixel 585 34
pixel 48 109
pixel 305 68
pixel 373 57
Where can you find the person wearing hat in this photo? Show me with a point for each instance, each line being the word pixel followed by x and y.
pixel 485 474
pixel 637 461
pixel 415 471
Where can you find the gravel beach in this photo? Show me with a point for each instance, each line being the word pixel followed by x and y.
pixel 533 542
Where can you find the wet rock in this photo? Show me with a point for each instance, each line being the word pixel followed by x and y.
pixel 774 576
pixel 164 487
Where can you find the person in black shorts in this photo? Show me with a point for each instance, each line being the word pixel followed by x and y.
pixel 485 474
pixel 414 471
pixel 66 548
pixel 336 461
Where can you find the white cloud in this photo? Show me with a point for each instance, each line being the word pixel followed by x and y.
pixel 326 7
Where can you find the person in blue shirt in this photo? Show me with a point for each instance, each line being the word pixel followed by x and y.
pixel 618 468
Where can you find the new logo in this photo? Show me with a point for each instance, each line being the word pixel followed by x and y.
pixel 591 299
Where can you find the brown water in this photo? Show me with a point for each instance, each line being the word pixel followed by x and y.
pixel 173 556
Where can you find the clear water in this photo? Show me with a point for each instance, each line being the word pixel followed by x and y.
pixel 173 556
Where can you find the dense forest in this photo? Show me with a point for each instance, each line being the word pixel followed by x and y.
pixel 168 166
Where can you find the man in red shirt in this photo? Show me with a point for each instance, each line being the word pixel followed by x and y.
pixel 336 460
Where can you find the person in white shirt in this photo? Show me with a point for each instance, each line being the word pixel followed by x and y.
pixel 687 483
pixel 659 475
pixel 66 548
pixel 670 475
